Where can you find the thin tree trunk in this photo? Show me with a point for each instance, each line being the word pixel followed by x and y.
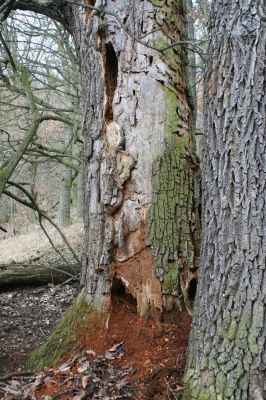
pixel 32 215
pixel 80 193
pixel 227 345
pixel 65 197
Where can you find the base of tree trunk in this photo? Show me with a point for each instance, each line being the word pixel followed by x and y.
pixel 21 275
pixel 83 318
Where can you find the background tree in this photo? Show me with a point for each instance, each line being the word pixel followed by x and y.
pixel 46 52
pixel 227 345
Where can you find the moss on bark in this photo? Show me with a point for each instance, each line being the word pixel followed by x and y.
pixel 174 228
pixel 81 317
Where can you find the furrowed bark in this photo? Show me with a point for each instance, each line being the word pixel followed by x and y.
pixel 227 346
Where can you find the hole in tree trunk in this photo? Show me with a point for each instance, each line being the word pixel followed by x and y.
pixel 119 293
pixel 192 289
pixel 111 71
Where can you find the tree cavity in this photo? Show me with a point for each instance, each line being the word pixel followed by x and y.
pixel 111 72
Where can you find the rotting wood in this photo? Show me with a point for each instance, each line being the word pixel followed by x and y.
pixel 16 275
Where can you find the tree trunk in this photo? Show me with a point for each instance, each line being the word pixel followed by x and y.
pixel 65 198
pixel 80 194
pixel 141 173
pixel 141 170
pixel 191 54
pixel 30 274
pixel 32 214
pixel 227 344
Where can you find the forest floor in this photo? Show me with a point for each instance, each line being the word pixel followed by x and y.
pixel 34 245
pixel 133 359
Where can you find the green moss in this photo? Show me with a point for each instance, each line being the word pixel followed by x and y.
pixel 192 392
pixel 172 121
pixel 232 331
pixel 158 3
pixel 171 278
pixel 172 9
pixel 172 222
pixel 65 334
pixel 173 228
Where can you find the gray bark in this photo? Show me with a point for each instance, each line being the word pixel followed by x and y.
pixel 65 198
pixel 191 54
pixel 141 172
pixel 32 215
pixel 80 193
pixel 137 126
pixel 227 344
pixel 66 184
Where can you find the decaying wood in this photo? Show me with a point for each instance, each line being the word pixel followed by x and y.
pixel 141 172
pixel 142 180
pixel 29 274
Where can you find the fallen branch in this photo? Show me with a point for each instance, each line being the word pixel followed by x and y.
pixel 12 374
pixel 15 275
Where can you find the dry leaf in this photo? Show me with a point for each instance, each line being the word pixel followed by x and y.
pixel 84 381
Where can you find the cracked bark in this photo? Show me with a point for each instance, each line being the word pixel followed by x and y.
pixel 141 207
pixel 141 172
pixel 227 345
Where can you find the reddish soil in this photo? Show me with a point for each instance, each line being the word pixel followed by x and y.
pixel 155 351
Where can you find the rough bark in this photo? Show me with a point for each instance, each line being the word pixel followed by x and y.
pixel 227 345
pixel 141 172
pixel 142 176
pixel 21 275
pixel 189 7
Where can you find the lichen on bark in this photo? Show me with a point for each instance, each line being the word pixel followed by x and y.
pixel 174 227
pixel 226 356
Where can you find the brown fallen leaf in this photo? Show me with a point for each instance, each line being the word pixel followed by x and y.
pixel 178 388
pixel 84 381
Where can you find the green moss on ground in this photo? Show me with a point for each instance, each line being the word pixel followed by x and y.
pixel 80 315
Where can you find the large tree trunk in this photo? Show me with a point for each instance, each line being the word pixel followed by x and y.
pixel 142 175
pixel 141 171
pixel 227 345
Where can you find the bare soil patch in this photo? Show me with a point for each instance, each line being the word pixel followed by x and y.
pixel 148 362
pixel 27 316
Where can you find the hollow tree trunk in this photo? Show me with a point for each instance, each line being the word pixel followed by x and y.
pixel 142 175
pixel 141 171
pixel 227 345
